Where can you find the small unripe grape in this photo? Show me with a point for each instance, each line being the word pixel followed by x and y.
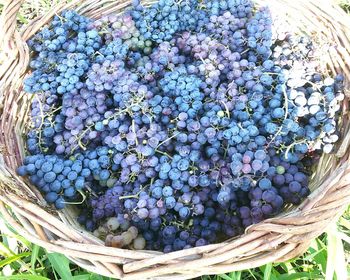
pixel 134 232
pixel 220 114
pixel 96 233
pixel 139 243
pixel 108 240
pixel 111 182
pixel 125 225
pixel 112 223
pixel 127 237
pixel 102 230
pixel 280 170
pixel 147 50
pixel 118 241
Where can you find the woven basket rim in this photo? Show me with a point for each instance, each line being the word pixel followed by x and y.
pixel 273 240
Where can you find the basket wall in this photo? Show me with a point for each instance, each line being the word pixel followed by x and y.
pixel 277 239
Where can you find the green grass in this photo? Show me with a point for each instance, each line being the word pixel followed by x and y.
pixel 20 259
pixel 325 259
pixel 345 4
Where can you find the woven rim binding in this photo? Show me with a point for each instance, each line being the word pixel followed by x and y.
pixel 273 240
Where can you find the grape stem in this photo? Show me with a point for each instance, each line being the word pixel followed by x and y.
pixel 42 119
pixel 166 140
pixel 134 130
pixel 291 146
pixel 227 110
pixel 163 153
pixel 79 202
pixel 132 195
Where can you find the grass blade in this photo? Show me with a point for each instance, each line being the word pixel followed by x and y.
pixel 344 237
pixel 267 271
pixel 98 277
pixel 60 264
pixel 340 262
pixel 13 258
pixel 300 276
pixel 22 19
pixel 82 277
pixel 23 277
pixel 321 256
pixel 225 277
pixel 332 253
pixel 238 275
pixel 34 257
pixel 345 223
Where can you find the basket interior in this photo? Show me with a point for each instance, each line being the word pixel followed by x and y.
pixel 301 24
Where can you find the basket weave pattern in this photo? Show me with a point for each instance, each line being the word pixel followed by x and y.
pixel 273 240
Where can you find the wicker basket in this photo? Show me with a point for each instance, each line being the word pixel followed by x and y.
pixel 273 240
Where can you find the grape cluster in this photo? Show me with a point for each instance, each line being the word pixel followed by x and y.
pixel 65 50
pixel 264 202
pixel 59 179
pixel 306 105
pixel 43 109
pixel 239 8
pixel 179 124
pixel 185 91
pixel 229 30
pixel 259 33
pixel 122 27
pixel 290 179
pixel 129 237
pixel 162 20
pixel 80 109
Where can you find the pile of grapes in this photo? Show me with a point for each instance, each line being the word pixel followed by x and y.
pixel 176 125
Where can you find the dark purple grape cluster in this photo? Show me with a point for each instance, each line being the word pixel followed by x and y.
pixel 290 179
pixel 165 18
pixel 43 111
pixel 59 179
pixel 179 124
pixel 81 109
